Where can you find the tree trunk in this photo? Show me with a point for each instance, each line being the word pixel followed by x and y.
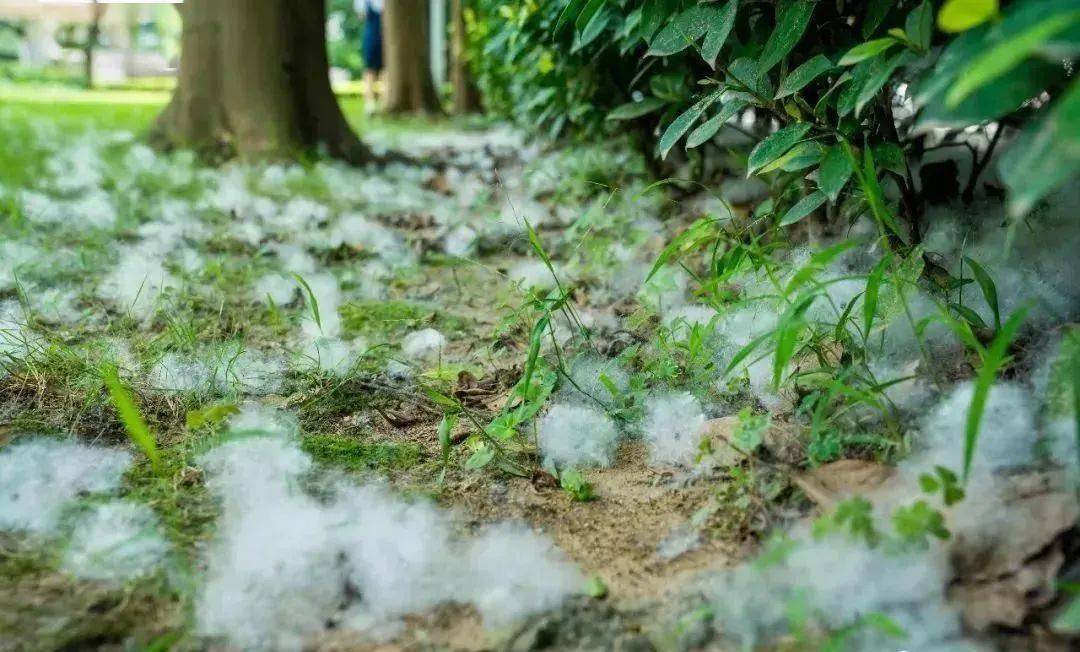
pixel 93 35
pixel 254 82
pixel 406 45
pixel 466 95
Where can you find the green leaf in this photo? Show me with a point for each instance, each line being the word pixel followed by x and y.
pixel 805 154
pixel 708 129
pixel 920 25
pixel 481 458
pixel 834 172
pixel 632 110
pixel 593 29
pixel 876 11
pixel 775 146
pixel 803 207
pixel 992 101
pixel 313 303
pixel 880 71
pixel 131 416
pixel 991 363
pixel 988 287
pixel 867 50
pixel 870 297
pixel 889 157
pixel 961 15
pixel 720 23
pixel 681 32
pixel 1068 621
pixel 807 72
pixel 1006 55
pixel 792 17
pixel 1045 156
pixel 702 230
pixel 588 13
pixel 682 124
pixel 569 13
pixel 788 329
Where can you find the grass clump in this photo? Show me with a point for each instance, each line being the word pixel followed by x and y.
pixel 352 455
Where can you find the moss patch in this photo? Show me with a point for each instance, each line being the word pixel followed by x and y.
pixel 353 455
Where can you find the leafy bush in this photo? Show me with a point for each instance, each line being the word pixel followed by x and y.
pixel 848 95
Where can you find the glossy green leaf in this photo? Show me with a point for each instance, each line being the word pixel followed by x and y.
pixel 791 20
pixel 920 25
pixel 880 72
pixel 988 287
pixel 775 146
pixel 588 13
pixel 805 154
pixel 569 14
pixel 834 172
pixel 592 30
pixel 681 32
pixel 1045 156
pixel 961 15
pixel 683 122
pixel 720 23
pixel 1006 55
pixel 130 416
pixel 632 110
pixel 867 50
pixel 803 207
pixel 708 129
pixel 807 72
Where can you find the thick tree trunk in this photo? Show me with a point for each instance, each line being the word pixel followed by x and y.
pixel 406 46
pixel 466 95
pixel 254 82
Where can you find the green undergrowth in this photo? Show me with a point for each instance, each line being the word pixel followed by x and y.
pixel 351 454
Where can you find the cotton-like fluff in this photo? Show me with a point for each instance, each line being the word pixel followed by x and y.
pixel 1008 435
pixel 181 373
pixel 359 232
pixel 115 541
pixel 262 419
pixel 276 288
pixel 577 436
pixel 285 563
pixel 587 385
pixel 15 256
pixel 672 427
pixel 332 355
pixel 532 275
pixel 39 478
pixel 136 284
pixel 327 294
pixel 460 241
pixel 425 344
pixel 836 582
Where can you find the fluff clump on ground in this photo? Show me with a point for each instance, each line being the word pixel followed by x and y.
pixel 672 427
pixel 587 385
pixel 577 436
pixel 40 478
pixel 426 344
pixel 837 582
pixel 115 541
pixel 285 563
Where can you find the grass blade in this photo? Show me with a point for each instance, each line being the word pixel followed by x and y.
pixel 131 416
pixel 992 361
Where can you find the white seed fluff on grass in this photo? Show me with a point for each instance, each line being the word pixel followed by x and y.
pixel 39 478
pixel 577 436
pixel 279 289
pixel 116 541
pixel 285 563
pixel 426 344
pixel 672 427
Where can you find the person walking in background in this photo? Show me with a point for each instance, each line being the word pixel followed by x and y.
pixel 372 48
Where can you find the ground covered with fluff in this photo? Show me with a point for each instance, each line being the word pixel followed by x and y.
pixel 453 402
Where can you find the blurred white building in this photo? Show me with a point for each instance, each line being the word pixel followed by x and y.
pixel 122 52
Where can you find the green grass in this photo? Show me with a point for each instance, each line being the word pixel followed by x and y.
pixel 353 455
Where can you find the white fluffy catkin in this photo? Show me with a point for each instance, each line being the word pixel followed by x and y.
pixel 672 427
pixel 577 436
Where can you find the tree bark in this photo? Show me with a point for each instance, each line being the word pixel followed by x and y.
pixel 406 48
pixel 254 82
pixel 466 95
